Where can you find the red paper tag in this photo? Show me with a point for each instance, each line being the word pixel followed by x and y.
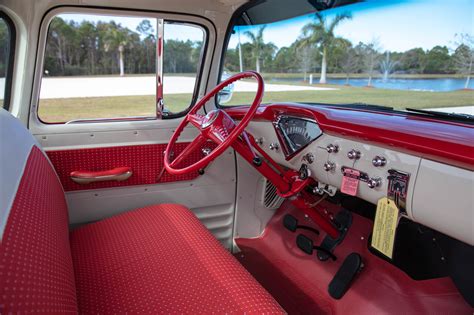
pixel 350 181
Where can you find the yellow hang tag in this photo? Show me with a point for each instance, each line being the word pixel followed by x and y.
pixel 385 226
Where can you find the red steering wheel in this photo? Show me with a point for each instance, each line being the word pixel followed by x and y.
pixel 216 126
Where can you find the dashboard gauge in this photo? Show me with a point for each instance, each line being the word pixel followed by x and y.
pixel 295 133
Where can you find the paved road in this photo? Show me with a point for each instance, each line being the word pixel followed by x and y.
pixel 460 109
pixel 65 87
pixel 139 85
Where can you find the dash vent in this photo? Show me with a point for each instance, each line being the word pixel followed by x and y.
pixel 271 199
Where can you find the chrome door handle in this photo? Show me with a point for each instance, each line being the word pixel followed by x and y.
pixel 87 177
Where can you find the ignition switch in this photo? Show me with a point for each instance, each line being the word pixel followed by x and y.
pixel 304 172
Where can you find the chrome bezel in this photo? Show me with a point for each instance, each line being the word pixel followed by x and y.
pixel 285 142
pixel 213 118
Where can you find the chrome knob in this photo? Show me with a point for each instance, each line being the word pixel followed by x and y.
pixel 206 151
pixel 308 157
pixel 259 140
pixel 374 182
pixel 353 154
pixel 379 161
pixel 274 146
pixel 329 166
pixel 317 190
pixel 331 148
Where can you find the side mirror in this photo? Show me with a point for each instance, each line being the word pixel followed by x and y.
pixel 225 95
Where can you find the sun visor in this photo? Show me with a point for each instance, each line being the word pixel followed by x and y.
pixel 270 11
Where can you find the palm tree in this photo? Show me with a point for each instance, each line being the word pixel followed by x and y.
pixel 321 32
pixel 117 38
pixel 257 43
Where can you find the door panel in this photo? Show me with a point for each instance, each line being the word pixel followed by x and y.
pixel 210 196
pixel 145 162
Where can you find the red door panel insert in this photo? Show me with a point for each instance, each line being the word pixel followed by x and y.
pixel 145 161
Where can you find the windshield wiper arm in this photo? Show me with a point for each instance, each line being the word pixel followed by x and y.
pixel 355 105
pixel 455 116
pixel 370 106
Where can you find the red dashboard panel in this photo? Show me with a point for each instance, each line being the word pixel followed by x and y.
pixel 443 141
pixel 145 161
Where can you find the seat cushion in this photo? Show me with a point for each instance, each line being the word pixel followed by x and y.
pixel 160 259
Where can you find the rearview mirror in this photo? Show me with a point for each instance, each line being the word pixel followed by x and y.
pixel 225 95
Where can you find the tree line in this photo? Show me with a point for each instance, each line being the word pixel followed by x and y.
pixel 101 48
pixel 4 48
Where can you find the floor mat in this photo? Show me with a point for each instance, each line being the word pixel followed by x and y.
pixel 299 282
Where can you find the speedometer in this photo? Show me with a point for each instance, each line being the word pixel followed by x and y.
pixel 295 133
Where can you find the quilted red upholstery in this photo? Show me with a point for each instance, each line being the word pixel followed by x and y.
pixel 160 259
pixel 36 272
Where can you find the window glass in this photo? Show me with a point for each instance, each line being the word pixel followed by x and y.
pixel 5 43
pixel 103 67
pixel 182 58
pixel 388 53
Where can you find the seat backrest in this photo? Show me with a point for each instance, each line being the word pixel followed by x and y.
pixel 36 270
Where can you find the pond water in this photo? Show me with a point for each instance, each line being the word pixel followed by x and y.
pixel 432 85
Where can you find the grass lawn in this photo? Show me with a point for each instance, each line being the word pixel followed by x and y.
pixel 60 110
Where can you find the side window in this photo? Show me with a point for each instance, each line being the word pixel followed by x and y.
pixel 6 62
pixel 183 50
pixel 104 67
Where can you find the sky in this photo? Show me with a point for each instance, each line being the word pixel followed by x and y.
pixel 399 25
pixel 172 31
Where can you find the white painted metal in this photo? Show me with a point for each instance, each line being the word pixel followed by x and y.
pixel 444 200
pixel 396 160
pixel 15 147
pixel 251 215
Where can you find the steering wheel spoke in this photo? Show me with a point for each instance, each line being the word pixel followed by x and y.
pixel 196 120
pixel 194 145
pixel 216 126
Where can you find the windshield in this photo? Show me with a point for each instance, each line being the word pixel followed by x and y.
pixel 401 54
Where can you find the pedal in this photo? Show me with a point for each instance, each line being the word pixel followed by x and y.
pixel 291 223
pixel 306 245
pixel 345 275
pixel 344 220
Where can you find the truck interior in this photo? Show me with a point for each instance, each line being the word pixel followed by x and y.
pixel 236 157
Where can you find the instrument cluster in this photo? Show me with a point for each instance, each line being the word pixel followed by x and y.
pixel 295 133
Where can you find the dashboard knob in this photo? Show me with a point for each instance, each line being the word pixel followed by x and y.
pixel 374 182
pixel 274 146
pixel 331 148
pixel 317 190
pixel 329 166
pixel 308 157
pixel 353 154
pixel 379 161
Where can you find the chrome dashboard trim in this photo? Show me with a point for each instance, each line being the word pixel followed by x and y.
pixel 283 138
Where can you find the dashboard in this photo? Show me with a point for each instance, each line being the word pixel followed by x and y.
pixel 433 193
